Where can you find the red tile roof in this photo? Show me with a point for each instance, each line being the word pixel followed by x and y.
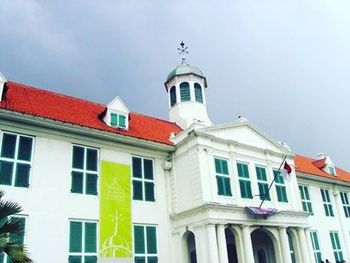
pixel 54 106
pixel 306 165
pixel 320 163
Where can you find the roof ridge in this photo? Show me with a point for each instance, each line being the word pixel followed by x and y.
pixel 57 93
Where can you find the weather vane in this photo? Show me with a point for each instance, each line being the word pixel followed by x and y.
pixel 183 50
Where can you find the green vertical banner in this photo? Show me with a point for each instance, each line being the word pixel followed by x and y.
pixel 115 211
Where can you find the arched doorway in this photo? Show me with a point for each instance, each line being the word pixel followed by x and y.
pixel 190 247
pixel 231 246
pixel 263 247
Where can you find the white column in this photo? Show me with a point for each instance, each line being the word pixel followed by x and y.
pixel 200 238
pixel 284 245
pixel 212 244
pixel 223 256
pixel 247 244
pixel 303 245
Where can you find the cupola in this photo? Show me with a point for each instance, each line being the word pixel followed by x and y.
pixel 117 114
pixel 186 86
pixel 2 85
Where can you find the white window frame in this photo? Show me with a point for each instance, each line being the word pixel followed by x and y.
pixel 223 175
pixel 313 242
pixel 346 204
pixel 83 253
pixel 85 171
pixel 145 239
pixel 15 160
pixel 337 250
pixel 327 204
pixel 143 179
pixel 263 182
pixel 304 200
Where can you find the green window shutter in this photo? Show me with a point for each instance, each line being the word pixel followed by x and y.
pixel 122 121
pixel 18 238
pixel 217 166
pixel 151 240
pixel 75 259
pixel 246 191
pixel 8 147
pixel 90 237
pixel 6 171
pixel 91 184
pixel 263 188
pixel 77 182
pixel 140 259
pixel 25 148
pixel 22 175
pixel 91 160
pixel 136 167
pixel 139 239
pixel 227 186
pixel 185 91
pixel 75 238
pixel 261 173
pixel 78 157
pixel 90 259
pixel 149 191
pixel 243 170
pixel 137 190
pixel 114 119
pixel 220 185
pixel 172 96
pixel 148 169
pixel 198 92
pixel 224 167
pixel 152 259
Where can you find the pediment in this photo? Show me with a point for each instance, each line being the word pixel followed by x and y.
pixel 245 133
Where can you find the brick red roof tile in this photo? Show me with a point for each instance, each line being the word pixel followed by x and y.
pixel 306 165
pixel 320 163
pixel 41 103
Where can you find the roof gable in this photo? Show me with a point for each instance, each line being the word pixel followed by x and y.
pixel 50 105
pixel 244 132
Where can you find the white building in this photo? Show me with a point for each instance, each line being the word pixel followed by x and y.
pixel 99 183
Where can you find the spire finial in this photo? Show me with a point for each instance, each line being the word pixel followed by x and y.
pixel 183 51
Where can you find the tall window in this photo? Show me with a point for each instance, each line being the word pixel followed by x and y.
pixel 328 209
pixel 338 254
pixel 280 187
pixel 143 179
pixel 145 244
pixel 244 181
pixel 291 248
pixel 305 198
pixel 118 120
pixel 82 242
pixel 346 203
pixel 15 159
pixel 316 247
pixel 222 177
pixel 185 91
pixel 198 92
pixel 262 183
pixel 84 170
pixel 172 96
pixel 18 238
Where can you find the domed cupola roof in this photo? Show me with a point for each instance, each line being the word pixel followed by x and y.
pixel 186 69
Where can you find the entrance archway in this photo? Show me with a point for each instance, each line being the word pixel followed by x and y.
pixel 231 246
pixel 263 247
pixel 190 247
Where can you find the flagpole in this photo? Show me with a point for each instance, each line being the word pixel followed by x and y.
pixel 274 179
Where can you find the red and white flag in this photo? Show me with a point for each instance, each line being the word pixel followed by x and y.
pixel 286 171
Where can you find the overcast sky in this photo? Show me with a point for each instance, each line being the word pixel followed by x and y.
pixel 283 64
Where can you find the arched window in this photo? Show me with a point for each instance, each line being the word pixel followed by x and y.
pixel 185 91
pixel 172 96
pixel 198 92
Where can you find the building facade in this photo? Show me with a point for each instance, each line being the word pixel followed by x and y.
pixel 99 183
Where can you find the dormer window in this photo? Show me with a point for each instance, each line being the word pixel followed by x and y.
pixel 118 120
pixel 117 114
pixel 331 170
